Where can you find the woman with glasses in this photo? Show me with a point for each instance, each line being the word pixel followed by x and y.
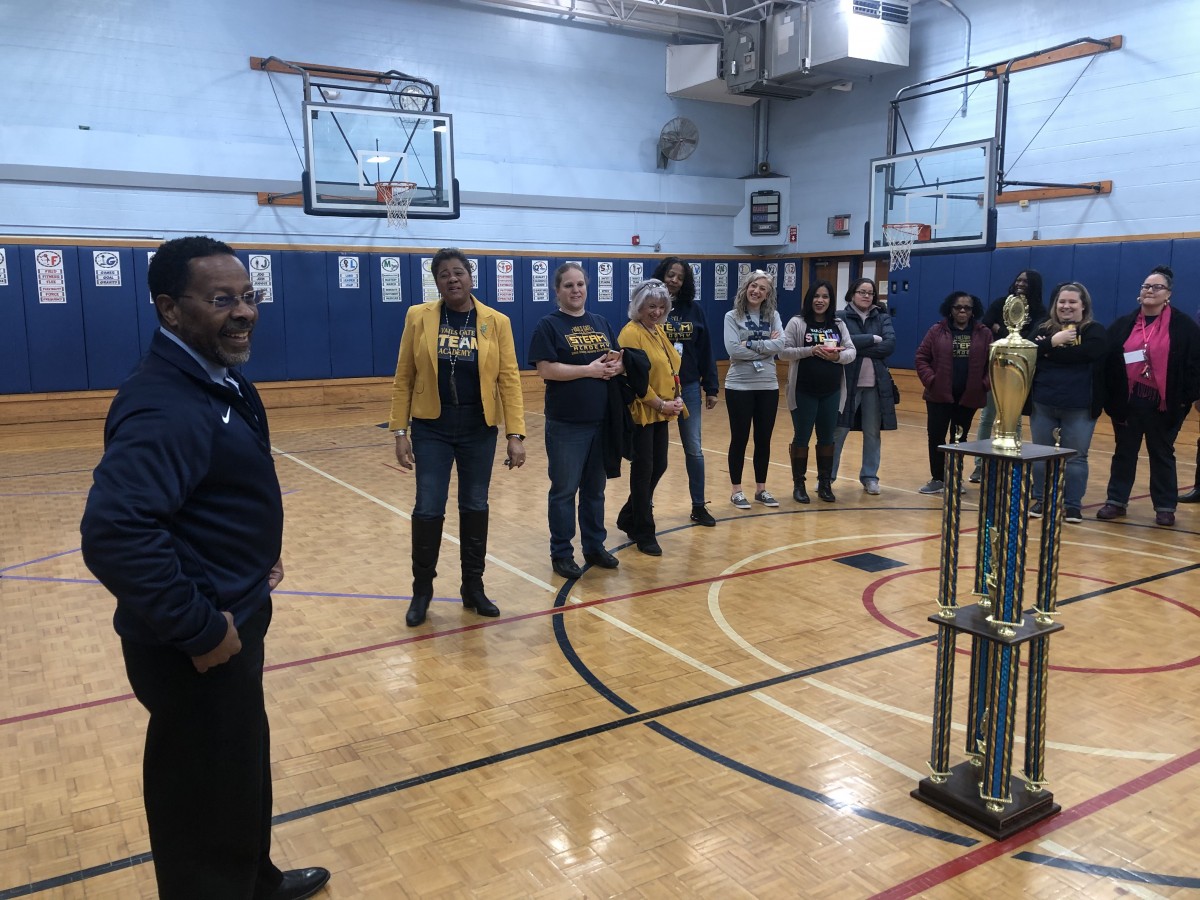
pixel 688 331
pixel 952 363
pixel 1152 378
pixel 456 381
pixel 1027 284
pixel 753 335
pixel 871 398
pixel 819 349
pixel 1068 390
pixel 652 412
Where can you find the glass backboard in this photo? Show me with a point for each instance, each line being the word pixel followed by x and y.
pixel 949 191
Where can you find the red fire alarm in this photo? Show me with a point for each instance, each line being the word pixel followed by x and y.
pixel 636 240
pixel 791 234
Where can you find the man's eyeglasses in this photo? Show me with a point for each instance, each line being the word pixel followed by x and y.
pixel 229 301
pixel 1154 288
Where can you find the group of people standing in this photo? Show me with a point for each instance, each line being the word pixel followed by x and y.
pixel 1144 370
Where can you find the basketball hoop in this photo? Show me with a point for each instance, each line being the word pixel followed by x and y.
pixel 900 238
pixel 395 195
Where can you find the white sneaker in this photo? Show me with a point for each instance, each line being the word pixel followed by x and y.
pixel 739 500
pixel 871 485
pixel 765 498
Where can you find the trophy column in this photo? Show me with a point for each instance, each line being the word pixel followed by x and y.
pixel 981 791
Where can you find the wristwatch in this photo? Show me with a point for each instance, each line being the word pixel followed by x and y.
pixel 519 437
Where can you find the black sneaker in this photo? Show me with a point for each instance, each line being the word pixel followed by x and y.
pixel 1035 509
pixel 601 559
pixel 565 567
pixel 701 515
pixel 1074 515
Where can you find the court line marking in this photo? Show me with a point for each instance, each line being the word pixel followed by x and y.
pixel 714 608
pixel 1055 849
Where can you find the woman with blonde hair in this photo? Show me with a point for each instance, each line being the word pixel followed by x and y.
pixel 1068 390
pixel 753 335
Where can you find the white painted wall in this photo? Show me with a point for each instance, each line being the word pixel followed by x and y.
pixel 555 124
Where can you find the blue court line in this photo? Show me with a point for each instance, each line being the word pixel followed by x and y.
pixel 40 493
pixel 33 562
pixel 1113 872
pixel 45 474
pixel 49 884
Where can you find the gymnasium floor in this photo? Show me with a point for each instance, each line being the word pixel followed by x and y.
pixel 744 717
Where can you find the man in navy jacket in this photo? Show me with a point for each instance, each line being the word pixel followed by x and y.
pixel 184 525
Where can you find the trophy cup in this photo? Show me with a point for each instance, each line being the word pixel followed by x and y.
pixel 1010 365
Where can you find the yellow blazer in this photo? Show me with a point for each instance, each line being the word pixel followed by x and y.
pixel 415 389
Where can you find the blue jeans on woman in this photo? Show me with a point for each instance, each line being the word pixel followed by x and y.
pixel 1077 426
pixel 458 437
pixel 866 401
pixel 689 434
pixel 576 464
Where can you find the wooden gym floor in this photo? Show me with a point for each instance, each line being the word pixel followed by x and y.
pixel 744 717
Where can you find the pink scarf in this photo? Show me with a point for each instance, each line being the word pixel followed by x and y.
pixel 1149 375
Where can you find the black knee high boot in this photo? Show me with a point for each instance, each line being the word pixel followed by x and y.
pixel 473 532
pixel 1193 496
pixel 426 544
pixel 799 470
pixel 825 472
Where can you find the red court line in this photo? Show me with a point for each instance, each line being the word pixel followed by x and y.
pixel 386 645
pixel 984 854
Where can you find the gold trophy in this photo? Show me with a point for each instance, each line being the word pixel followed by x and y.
pixel 1010 365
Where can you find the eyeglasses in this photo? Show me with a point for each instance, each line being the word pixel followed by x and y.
pixel 963 308
pixel 866 293
pixel 229 301
pixel 1154 288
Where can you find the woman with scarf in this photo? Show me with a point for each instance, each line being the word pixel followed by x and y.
pixel 1153 377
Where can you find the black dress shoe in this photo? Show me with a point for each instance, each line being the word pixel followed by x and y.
pixel 300 883
pixel 601 559
pixel 1192 496
pixel 565 567
pixel 650 547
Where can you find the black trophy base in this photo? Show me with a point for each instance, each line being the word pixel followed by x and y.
pixel 959 798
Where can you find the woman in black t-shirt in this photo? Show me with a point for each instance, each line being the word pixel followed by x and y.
pixel 576 352
pixel 818 348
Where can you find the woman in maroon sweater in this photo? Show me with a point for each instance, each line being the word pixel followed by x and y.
pixel 952 363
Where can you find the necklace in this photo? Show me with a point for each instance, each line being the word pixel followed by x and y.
pixel 463 343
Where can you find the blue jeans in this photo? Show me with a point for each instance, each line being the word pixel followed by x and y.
pixel 865 400
pixel 1077 426
pixel 576 464
pixel 689 434
pixel 461 438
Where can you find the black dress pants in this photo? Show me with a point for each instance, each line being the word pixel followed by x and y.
pixel 207 769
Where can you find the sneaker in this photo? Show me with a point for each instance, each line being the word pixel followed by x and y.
pixel 1164 517
pixel 976 476
pixel 739 500
pixel 564 566
pixel 1035 509
pixel 932 486
pixel 871 486
pixel 702 516
pixel 765 498
pixel 1110 511
pixel 1074 515
pixel 601 559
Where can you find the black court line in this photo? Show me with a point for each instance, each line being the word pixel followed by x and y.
pixel 1113 872
pixel 572 657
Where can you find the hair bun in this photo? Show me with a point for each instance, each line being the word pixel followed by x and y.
pixel 1163 270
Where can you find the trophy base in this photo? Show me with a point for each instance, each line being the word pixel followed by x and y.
pixel 958 797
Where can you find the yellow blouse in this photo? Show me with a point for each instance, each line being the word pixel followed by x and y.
pixel 664 366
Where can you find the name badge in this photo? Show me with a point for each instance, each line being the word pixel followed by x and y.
pixel 1135 356
pixel 679 347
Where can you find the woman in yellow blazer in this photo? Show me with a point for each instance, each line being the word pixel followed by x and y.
pixel 456 381
pixel 661 404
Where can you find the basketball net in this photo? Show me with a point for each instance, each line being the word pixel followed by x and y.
pixel 395 195
pixel 900 238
